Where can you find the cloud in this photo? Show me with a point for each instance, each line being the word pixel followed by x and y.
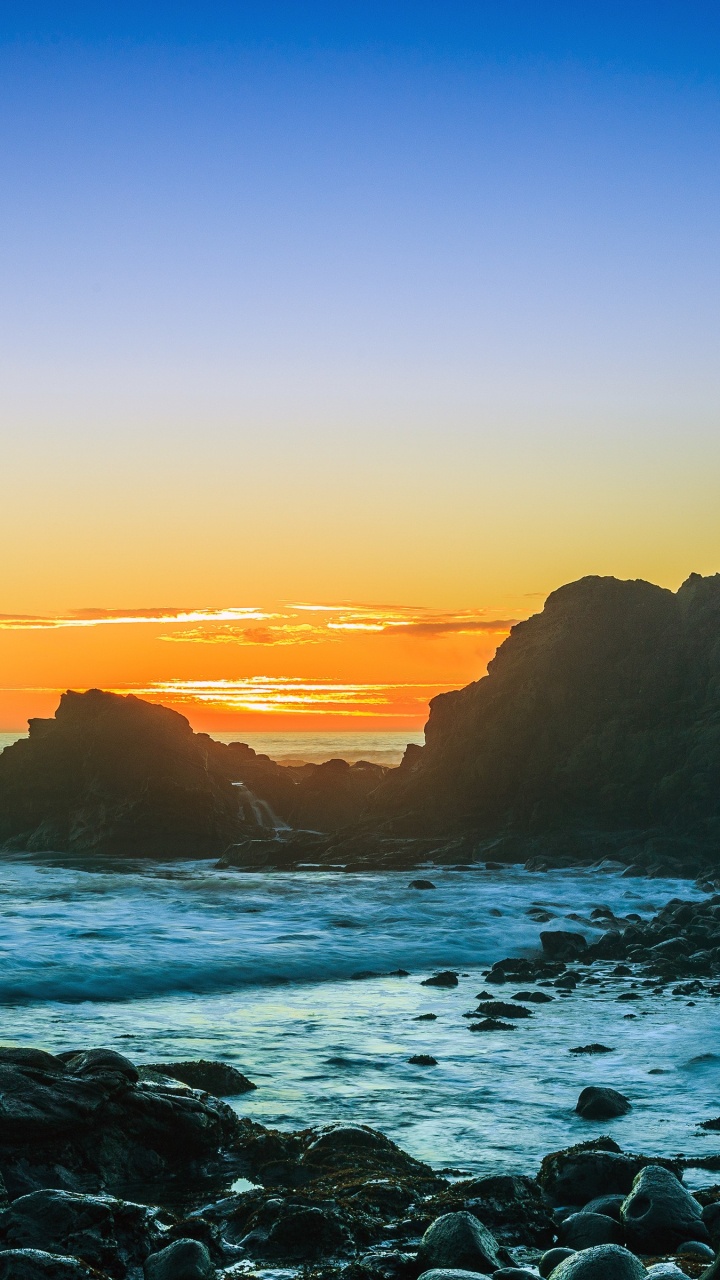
pixel 291 695
pixel 344 619
pixel 115 617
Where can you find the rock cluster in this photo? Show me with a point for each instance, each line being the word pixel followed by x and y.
pixel 79 1131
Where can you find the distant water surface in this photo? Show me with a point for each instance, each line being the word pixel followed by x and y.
pixel 382 747
pixel 180 960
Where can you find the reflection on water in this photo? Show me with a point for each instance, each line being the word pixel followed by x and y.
pixel 177 961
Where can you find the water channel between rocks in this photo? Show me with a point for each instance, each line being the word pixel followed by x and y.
pixel 178 960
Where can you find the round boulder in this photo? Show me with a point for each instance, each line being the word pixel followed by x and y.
pixel 659 1213
pixel 601 1103
pixel 458 1241
pixel 604 1262
pixel 181 1260
pixel 552 1259
pixel 583 1230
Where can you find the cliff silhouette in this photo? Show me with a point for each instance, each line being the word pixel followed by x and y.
pixel 595 731
pixel 602 712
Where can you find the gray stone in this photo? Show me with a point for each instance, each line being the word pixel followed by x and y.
pixel 604 1262
pixel 583 1230
pixel 458 1241
pixel 181 1260
pixel 696 1249
pixel 591 1169
pixel 601 1103
pixel 610 1205
pixel 659 1213
pixel 552 1259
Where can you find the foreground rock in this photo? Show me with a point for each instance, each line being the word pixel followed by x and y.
pixel 459 1240
pixel 85 1122
pixel 605 1262
pixel 659 1213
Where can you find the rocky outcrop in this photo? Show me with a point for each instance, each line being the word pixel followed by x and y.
pixel 115 775
pixel 600 714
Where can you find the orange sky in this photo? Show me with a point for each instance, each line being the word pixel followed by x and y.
pixel 296 666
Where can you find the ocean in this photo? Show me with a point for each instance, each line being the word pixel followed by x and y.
pixel 381 747
pixel 181 960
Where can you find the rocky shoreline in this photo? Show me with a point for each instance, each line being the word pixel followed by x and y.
pixel 118 1171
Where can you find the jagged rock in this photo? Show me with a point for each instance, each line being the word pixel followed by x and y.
pixel 596 716
pixel 458 1240
pixel 88 1125
pixel 445 979
pixel 111 1235
pixel 659 1213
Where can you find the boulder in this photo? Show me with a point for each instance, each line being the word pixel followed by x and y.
pixel 445 979
pixel 584 1172
pixel 609 1205
pixel 552 1259
pixel 604 1262
pixel 88 1125
pixel 181 1260
pixel 108 1234
pixel 602 1103
pixel 562 944
pixel 458 1241
pixel 218 1078
pixel 34 1264
pixel 659 1213
pixel 583 1230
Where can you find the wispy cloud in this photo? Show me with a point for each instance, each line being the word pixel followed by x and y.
pixel 128 617
pixel 291 695
pixel 332 621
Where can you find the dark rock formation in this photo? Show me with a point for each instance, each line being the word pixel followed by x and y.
pixel 600 714
pixel 659 1213
pixel 84 1122
pixel 115 775
pixel 598 1102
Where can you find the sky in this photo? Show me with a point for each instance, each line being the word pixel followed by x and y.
pixel 334 336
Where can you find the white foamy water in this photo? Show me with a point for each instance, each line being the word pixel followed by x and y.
pixel 178 960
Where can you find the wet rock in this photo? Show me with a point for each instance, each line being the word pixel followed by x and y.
pixel 592 1048
pixel 583 1230
pixel 581 1173
pixel 445 979
pixel 696 1249
pixel 533 997
pixel 514 1273
pixel 562 944
pixel 552 1259
pixel 422 1060
pixel 610 1205
pixel 604 1262
pixel 297 1232
pixel 659 1213
pixel 449 1273
pixel 218 1078
pixel 711 1218
pixel 91 1127
pixel 111 1235
pixel 502 1009
pixel 458 1240
pixel 181 1260
pixel 422 884
pixel 601 1103
pixel 34 1264
pixel 426 1017
pixel 491 1024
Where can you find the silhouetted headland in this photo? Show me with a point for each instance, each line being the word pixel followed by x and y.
pixel 595 733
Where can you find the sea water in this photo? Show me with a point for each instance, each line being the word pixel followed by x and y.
pixel 168 961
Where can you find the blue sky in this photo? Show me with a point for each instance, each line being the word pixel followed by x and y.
pixel 320 269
